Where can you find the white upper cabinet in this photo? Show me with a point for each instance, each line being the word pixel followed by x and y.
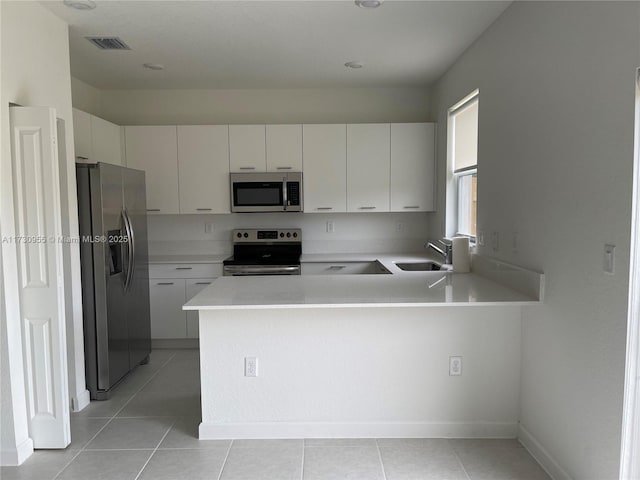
pixel 105 139
pixel 325 168
pixel 82 135
pixel 284 148
pixel 247 148
pixel 203 167
pixel 412 167
pixel 155 150
pixel 368 157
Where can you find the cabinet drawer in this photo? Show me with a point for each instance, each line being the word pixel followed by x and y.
pixel 185 270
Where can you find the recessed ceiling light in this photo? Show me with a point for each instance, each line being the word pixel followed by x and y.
pixel 153 66
pixel 369 3
pixel 80 4
pixel 353 64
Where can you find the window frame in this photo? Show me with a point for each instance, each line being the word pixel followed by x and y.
pixel 452 214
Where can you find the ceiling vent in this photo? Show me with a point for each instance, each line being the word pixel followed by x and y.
pixel 108 43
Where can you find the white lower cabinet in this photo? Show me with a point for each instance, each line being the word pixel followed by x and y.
pixel 170 287
pixel 168 320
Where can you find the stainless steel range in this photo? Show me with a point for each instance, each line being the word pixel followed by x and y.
pixel 265 252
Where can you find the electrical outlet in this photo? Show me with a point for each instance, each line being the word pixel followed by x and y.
pixel 250 367
pixel 495 241
pixel 480 238
pixel 330 227
pixel 455 366
pixel 208 228
pixel 399 226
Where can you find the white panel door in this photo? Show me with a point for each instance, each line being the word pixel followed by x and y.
pixel 166 297
pixel 154 149
pixel 195 286
pixel 284 148
pixel 105 141
pixel 203 166
pixel 82 135
pixel 413 167
pixel 325 168
pixel 368 157
pixel 36 186
pixel 247 149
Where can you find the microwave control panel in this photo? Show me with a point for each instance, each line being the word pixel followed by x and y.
pixel 293 193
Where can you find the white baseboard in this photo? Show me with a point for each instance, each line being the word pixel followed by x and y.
pixel 81 401
pixel 216 431
pixel 12 458
pixel 544 458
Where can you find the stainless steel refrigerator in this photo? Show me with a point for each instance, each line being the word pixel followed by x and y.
pixel 115 273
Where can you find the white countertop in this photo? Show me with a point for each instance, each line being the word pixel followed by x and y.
pixel 213 258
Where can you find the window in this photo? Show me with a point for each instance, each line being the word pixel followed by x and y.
pixel 463 163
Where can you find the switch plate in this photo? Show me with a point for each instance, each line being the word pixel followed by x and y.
pixel 399 226
pixel 609 263
pixel 250 367
pixel 330 227
pixel 455 366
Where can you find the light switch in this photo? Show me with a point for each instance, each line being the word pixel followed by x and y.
pixel 609 259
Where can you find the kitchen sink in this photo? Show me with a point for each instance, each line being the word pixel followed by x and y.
pixel 418 266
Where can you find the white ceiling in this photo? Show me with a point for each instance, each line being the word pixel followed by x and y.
pixel 272 44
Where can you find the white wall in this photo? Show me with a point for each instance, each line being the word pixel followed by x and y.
pixel 35 72
pixel 351 372
pixel 86 97
pixel 555 159
pixel 171 107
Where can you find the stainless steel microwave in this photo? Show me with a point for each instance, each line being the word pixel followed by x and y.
pixel 266 192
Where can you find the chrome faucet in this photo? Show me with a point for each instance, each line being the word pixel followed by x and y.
pixel 445 250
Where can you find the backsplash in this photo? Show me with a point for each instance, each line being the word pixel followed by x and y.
pixel 353 232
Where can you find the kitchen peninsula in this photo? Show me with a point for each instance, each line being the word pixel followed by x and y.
pixel 364 355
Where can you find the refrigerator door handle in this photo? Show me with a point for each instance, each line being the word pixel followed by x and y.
pixel 132 249
pixel 127 227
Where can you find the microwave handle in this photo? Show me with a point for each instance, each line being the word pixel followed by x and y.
pixel 284 192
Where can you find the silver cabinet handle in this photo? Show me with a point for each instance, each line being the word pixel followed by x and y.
pixel 247 168
pixel 366 208
pixel 324 208
pixel 164 283
pixel 207 209
pixel 203 283
pixel 412 206
pixel 337 267
pixel 81 157
pixel 153 209
pixel 284 168
pixel 184 268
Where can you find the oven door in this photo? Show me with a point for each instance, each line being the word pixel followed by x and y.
pixel 254 270
pixel 258 192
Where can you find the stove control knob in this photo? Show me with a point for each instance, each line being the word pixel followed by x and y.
pixel 281 234
pixel 295 234
pixel 288 234
pixel 239 235
pixel 246 235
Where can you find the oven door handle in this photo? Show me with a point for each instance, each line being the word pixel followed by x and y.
pixel 257 270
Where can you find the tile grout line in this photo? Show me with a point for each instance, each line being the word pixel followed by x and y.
pixel 384 474
pixel 110 419
pixel 224 463
pixel 156 449
pixel 459 459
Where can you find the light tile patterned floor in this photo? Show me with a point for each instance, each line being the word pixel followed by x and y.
pixel 148 431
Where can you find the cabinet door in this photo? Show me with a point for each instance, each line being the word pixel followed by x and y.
pixel 168 320
pixel 247 150
pixel 105 138
pixel 203 166
pixel 193 288
pixel 284 148
pixel 325 168
pixel 155 150
pixel 82 135
pixel 368 158
pixel 412 167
